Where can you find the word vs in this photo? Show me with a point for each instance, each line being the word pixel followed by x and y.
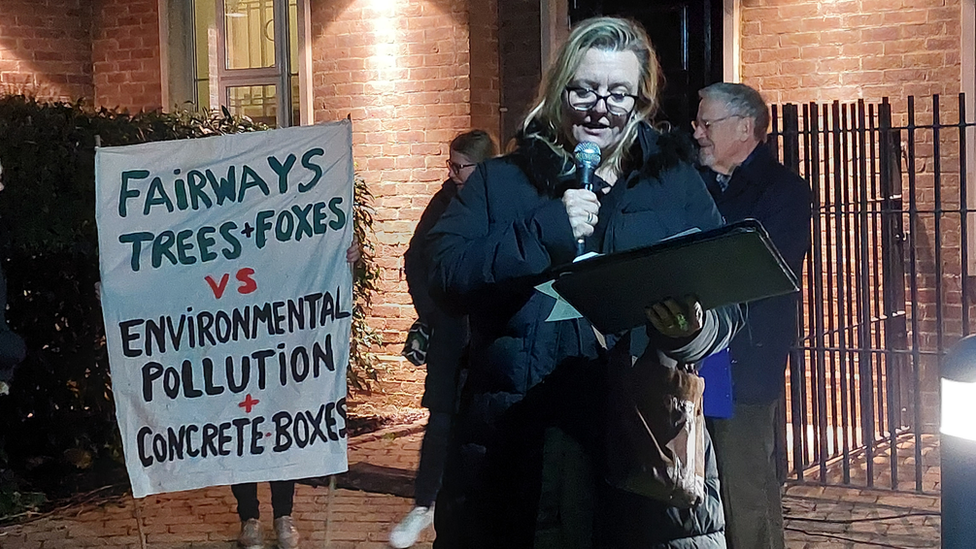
pixel 244 276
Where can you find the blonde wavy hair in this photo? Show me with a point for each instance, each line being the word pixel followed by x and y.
pixel 607 34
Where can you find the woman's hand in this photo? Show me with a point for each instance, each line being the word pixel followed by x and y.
pixel 354 252
pixel 582 206
pixel 677 320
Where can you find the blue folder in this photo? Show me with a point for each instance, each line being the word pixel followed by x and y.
pixel 717 371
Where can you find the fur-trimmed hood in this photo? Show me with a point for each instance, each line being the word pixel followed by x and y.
pixel 552 173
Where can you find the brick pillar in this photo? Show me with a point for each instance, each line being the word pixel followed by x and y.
pixel 485 92
pixel 126 54
pixel 520 50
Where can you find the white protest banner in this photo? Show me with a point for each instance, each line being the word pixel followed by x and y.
pixel 227 301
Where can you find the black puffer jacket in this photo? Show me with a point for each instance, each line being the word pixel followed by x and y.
pixel 506 227
pixel 448 330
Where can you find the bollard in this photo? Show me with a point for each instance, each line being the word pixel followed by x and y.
pixel 958 445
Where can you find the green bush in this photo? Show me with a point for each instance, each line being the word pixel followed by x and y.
pixel 367 276
pixel 59 434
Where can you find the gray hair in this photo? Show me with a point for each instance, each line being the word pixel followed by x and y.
pixel 743 101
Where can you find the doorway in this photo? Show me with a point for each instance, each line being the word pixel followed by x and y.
pixel 687 35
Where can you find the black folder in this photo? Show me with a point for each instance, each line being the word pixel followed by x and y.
pixel 736 263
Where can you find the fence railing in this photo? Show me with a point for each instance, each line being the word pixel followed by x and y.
pixel 886 285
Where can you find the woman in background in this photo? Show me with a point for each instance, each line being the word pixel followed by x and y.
pixel 437 338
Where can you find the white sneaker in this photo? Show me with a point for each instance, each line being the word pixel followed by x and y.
pixel 252 536
pixel 406 533
pixel 287 533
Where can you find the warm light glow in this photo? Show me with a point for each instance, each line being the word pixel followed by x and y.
pixel 214 89
pixel 958 409
pixel 235 10
pixel 811 435
pixel 386 47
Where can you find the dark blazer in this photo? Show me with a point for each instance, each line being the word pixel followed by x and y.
pixel 764 189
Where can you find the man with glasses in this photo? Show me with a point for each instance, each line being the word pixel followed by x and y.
pixel 746 181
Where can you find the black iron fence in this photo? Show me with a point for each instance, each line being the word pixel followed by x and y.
pixel 886 285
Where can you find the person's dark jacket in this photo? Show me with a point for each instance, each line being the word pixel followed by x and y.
pixel 12 347
pixel 506 227
pixel 763 189
pixel 448 334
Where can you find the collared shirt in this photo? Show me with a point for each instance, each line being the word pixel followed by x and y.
pixel 723 181
pixel 720 182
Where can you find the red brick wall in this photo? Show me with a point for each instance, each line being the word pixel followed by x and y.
pixel 45 48
pixel 105 51
pixel 125 54
pixel 807 50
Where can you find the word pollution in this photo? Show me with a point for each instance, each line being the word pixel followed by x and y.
pixel 207 378
pixel 243 436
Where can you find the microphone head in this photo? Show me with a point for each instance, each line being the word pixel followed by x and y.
pixel 587 154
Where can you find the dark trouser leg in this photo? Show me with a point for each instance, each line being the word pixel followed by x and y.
pixel 433 454
pixel 479 507
pixel 282 496
pixel 459 518
pixel 746 452
pixel 247 500
pixel 566 512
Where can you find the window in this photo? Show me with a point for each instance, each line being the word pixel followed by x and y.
pixel 245 55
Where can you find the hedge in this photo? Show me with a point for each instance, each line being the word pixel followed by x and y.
pixel 59 433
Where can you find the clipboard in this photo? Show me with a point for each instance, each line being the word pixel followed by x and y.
pixel 735 263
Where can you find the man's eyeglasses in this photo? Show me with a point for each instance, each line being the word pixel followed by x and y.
pixel 584 99
pixel 456 168
pixel 706 125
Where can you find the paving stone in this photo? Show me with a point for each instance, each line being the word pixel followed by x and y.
pixel 382 466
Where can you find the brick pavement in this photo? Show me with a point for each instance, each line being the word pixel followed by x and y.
pixel 829 517
pixel 826 517
pixel 206 518
pixel 818 517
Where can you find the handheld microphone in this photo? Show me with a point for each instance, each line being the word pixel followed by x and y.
pixel 587 159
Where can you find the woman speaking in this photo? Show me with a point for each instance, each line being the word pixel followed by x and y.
pixel 529 457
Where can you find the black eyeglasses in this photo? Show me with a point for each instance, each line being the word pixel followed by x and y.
pixel 456 168
pixel 584 99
